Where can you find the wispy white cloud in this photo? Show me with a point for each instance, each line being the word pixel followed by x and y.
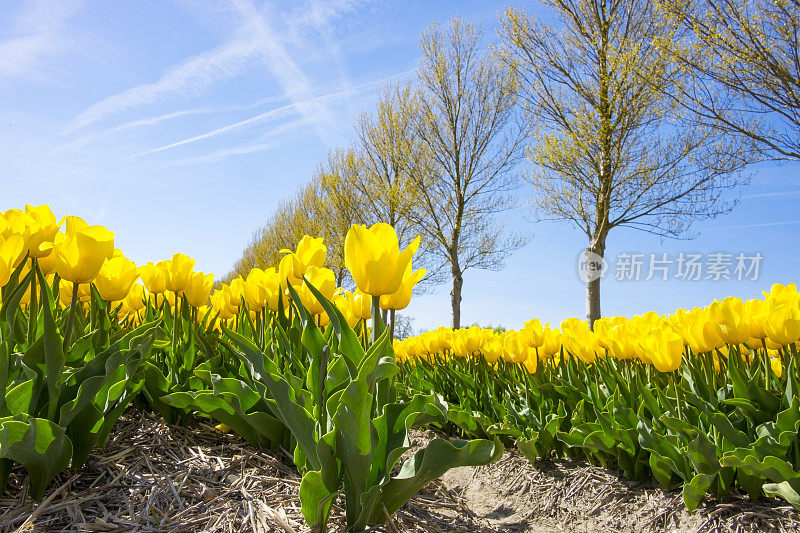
pixel 38 37
pixel 269 141
pixel 277 59
pixel 318 16
pixel 189 77
pixel 158 119
pixel 254 40
pixel 759 225
pixel 774 194
pixel 272 115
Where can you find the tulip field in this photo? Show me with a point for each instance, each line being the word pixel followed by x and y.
pixel 705 401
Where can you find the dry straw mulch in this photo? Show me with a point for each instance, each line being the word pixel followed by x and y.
pixel 153 477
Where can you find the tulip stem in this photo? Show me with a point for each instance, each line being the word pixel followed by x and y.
pixel 70 317
pixel 377 323
pixel 33 308
pixel 175 323
pixel 391 330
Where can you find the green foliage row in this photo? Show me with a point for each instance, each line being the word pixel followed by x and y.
pixel 279 380
pixel 702 428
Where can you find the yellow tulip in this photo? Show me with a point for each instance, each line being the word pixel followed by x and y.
pixel 135 298
pixel 373 257
pixel 756 315
pixel 234 293
pixel 43 228
pixel 783 327
pixel 402 297
pixel 310 252
pixel 116 277
pixel 17 221
pixel 582 344
pixel 361 304
pixel 551 346
pixel 11 249
pixel 467 342
pixel 219 304
pixel 179 269
pixel 664 349
pixel 154 277
pixel 321 278
pixel 79 253
pixel 730 320
pixel 493 349
pixel 270 280
pixel 516 349
pixel 534 332
pixel 342 302
pixel 199 289
pixel 285 272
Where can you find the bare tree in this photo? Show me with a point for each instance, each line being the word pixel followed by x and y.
pixel 467 124
pixel 379 179
pixel 610 148
pixel 745 62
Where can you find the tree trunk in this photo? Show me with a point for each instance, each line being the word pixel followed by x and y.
pixel 455 296
pixel 594 272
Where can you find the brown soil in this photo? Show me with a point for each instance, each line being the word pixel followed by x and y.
pixel 570 495
pixel 152 477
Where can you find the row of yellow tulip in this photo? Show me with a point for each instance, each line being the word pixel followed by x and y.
pixel 770 323
pixel 84 254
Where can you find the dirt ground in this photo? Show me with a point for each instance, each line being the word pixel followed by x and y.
pixel 152 477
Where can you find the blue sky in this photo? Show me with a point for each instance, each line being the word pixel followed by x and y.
pixel 181 124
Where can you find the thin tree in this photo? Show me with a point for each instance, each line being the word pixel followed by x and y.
pixel 610 148
pixel 745 61
pixel 468 125
pixel 378 179
pixel 335 205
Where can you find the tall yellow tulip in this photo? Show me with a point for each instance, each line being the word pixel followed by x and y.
pixel 11 249
pixel 115 278
pixel 154 276
pixel 43 228
pixel 80 252
pixel 179 269
pixel 199 289
pixel 135 298
pixel 310 252
pixel 17 221
pixel 324 280
pixel 664 349
pixel 373 257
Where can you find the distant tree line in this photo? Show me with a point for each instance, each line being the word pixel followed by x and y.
pixel 627 113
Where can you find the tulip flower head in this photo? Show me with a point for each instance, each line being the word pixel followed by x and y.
pixel 42 228
pixel 12 249
pixel 154 276
pixel 199 289
pixel 321 278
pixel 80 252
pixel 310 252
pixel 373 257
pixel 115 278
pixel 179 270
